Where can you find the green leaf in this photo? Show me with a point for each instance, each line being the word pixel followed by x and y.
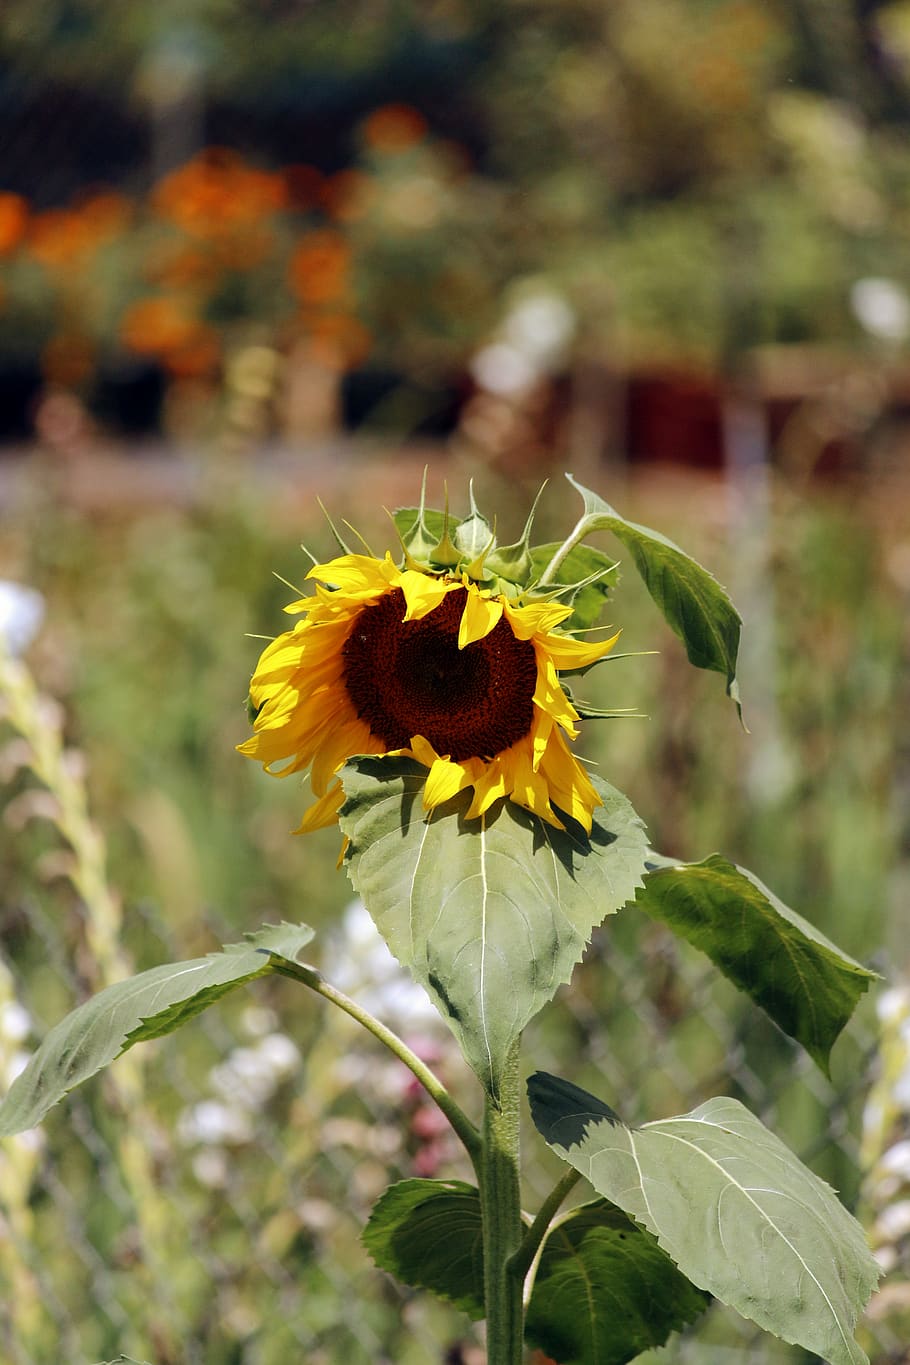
pixel 738 1213
pixel 491 915
pixel 145 1006
pixel 428 1234
pixel 605 1291
pixel 580 563
pixel 798 977
pixel 125 1360
pixel 694 604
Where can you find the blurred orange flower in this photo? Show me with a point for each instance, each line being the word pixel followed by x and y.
pixel 13 221
pixel 166 328
pixel 59 238
pixel 348 195
pixel 216 192
pixel 337 341
pixel 394 128
pixel 320 266
pixel 304 186
pixel 181 265
pixel 68 359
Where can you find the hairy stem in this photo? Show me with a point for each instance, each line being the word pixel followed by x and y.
pixel 521 1261
pixel 460 1122
pixel 500 1203
pixel 574 538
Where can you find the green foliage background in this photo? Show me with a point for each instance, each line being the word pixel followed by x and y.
pixel 145 647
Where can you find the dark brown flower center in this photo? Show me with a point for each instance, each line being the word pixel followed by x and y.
pixel 409 678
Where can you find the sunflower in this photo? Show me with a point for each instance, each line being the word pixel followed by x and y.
pixel 430 666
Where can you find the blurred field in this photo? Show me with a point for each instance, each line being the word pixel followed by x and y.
pixel 259 1168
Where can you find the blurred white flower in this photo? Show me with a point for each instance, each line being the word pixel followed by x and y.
pixel 533 340
pixel 15 1021
pixel 887 1258
pixel 279 1055
pixel 210 1168
pixel 541 325
pixel 892 1003
pixel 251 1075
pixel 503 369
pixel 13 1065
pixel 21 614
pixel 893 1223
pixel 897 1159
pixel 258 1020
pixel 882 307
pixel 210 1123
pixel 359 963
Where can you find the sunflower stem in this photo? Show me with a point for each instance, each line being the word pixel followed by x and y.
pixel 575 537
pixel 522 1260
pixel 500 1204
pixel 464 1128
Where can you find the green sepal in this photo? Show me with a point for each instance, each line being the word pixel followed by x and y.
pixel 339 539
pixel 474 536
pixel 429 1235
pixel 422 528
pixel 585 580
pixel 515 563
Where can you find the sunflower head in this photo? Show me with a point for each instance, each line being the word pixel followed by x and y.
pixel 451 657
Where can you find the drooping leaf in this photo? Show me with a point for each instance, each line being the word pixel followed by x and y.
pixel 740 1216
pixel 579 564
pixel 428 1234
pixel 490 916
pixel 605 1291
pixel 145 1006
pixel 798 977
pixel 694 604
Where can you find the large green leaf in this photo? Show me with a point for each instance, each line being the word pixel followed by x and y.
pixel 695 605
pixel 605 1291
pixel 807 985
pixel 145 1006
pixel 489 915
pixel 428 1233
pixel 734 1208
pixel 580 563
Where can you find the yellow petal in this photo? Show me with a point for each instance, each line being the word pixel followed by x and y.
pixel 549 695
pixel 355 573
pixel 568 783
pixel 492 784
pixel 444 780
pixel 422 593
pixel 538 618
pixel 351 738
pixel 568 653
pixel 323 812
pixel 480 616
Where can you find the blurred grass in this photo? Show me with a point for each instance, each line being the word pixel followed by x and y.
pixel 146 649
